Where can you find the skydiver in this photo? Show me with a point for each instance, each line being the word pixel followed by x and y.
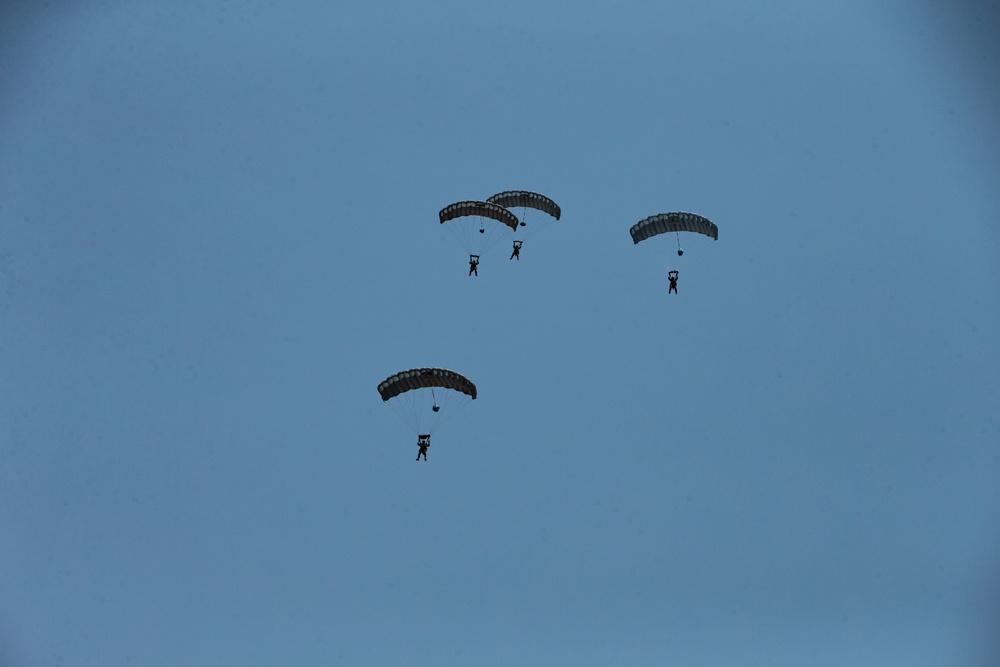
pixel 423 442
pixel 473 264
pixel 672 277
pixel 517 250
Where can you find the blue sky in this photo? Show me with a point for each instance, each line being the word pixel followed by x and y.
pixel 219 234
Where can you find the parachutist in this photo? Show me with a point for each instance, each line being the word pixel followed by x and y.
pixel 473 265
pixel 436 408
pixel 672 277
pixel 423 442
pixel 680 252
pixel 412 391
pixel 517 250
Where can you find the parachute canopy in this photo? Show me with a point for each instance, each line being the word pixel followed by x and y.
pixel 477 225
pixel 425 378
pixel 479 208
pixel 525 199
pixel 662 223
pixel 426 398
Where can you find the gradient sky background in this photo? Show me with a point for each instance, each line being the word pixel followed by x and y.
pixel 218 233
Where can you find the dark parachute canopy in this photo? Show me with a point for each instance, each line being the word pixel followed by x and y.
pixel 525 199
pixel 426 398
pixel 418 378
pixel 662 223
pixel 478 208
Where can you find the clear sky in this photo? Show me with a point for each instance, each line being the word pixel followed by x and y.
pixel 218 234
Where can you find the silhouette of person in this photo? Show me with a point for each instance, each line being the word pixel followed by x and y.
pixel 517 250
pixel 672 277
pixel 423 442
pixel 474 264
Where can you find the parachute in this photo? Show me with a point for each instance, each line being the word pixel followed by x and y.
pixel 478 208
pixel 426 398
pixel 673 222
pixel 676 222
pixel 477 225
pixel 417 378
pixel 528 200
pixel 525 199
